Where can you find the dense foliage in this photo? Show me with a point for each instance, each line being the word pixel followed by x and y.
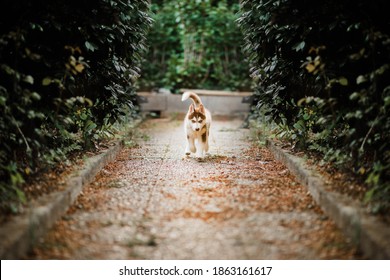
pixel 67 72
pixel 322 73
pixel 195 44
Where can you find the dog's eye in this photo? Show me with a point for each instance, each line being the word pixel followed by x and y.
pixel 200 121
pixel 193 121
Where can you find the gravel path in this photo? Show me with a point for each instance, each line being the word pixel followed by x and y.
pixel 153 203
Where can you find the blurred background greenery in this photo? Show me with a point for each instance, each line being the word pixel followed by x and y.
pixel 195 44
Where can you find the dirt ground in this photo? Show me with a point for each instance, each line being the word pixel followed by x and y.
pixel 155 203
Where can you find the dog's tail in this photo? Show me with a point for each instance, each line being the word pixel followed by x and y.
pixel 195 98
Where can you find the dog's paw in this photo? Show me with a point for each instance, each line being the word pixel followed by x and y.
pixel 200 156
pixel 200 159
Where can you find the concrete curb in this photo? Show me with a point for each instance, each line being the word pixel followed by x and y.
pixel 228 104
pixel 20 234
pixel 367 232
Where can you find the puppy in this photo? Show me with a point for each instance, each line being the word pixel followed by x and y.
pixel 196 126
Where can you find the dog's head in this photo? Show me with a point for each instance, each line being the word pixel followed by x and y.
pixel 196 117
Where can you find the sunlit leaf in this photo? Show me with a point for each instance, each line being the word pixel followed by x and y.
pixel 310 67
pixel 301 101
pixel 343 81
pixel 355 95
pixel 299 46
pixel 46 81
pixel 29 79
pixel 91 47
pixel 27 170
pixel 79 67
pixel 360 79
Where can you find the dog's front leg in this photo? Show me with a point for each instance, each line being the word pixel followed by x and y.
pixel 190 148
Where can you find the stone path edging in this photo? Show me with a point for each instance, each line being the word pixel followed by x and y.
pixel 19 234
pixel 370 234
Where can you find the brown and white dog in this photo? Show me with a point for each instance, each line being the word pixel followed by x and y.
pixel 196 126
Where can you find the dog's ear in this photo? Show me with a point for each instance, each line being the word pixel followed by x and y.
pixel 191 109
pixel 202 109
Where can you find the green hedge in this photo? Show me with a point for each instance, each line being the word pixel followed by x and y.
pixel 67 72
pixel 195 44
pixel 322 73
